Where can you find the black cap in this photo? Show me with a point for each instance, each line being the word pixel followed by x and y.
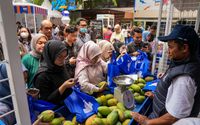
pixel 181 33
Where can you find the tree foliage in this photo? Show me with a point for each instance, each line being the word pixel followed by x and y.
pixel 37 2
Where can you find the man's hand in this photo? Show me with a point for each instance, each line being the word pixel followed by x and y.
pixel 72 61
pixel 160 75
pixel 142 120
pixel 149 94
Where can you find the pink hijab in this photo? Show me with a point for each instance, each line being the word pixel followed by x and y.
pixel 106 47
pixel 88 52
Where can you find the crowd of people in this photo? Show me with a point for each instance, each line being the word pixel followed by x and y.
pixel 56 58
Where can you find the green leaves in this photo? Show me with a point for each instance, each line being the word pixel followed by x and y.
pixel 37 2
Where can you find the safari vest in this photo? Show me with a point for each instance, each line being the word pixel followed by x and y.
pixel 190 69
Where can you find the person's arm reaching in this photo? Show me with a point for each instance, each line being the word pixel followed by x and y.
pixel 166 119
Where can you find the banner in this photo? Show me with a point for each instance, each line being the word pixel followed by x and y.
pixel 61 5
pixel 147 5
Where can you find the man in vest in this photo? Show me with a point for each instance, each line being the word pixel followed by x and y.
pixel 178 93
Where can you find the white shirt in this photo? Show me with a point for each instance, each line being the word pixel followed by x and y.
pixel 188 121
pixel 180 97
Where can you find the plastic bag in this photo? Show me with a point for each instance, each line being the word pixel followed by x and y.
pixel 142 64
pixel 126 64
pixel 81 104
pixel 113 70
pixel 37 106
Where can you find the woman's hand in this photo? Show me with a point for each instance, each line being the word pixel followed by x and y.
pixel 102 88
pixel 39 122
pixel 69 83
pixel 72 61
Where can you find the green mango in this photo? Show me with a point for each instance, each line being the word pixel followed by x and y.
pixel 97 121
pixel 139 99
pixel 121 115
pixel 57 121
pixel 112 102
pixel 105 122
pixel 99 100
pixel 136 88
pixel 68 123
pixel 112 108
pixel 109 96
pixel 141 85
pixel 127 114
pixel 119 123
pixel 126 122
pixel 47 116
pixel 99 115
pixel 104 110
pixel 140 80
pixel 112 118
pixel 121 106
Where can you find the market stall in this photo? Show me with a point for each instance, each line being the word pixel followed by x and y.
pixel 105 100
pixel 30 15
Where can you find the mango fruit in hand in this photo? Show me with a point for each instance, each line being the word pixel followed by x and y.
pixel 47 116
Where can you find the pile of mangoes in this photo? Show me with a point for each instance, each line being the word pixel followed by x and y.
pixel 136 88
pixel 110 112
pixel 48 116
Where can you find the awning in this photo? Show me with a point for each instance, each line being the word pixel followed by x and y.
pixel 29 8
pixel 186 4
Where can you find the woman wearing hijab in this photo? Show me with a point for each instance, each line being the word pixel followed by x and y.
pixel 31 60
pixel 90 69
pixel 120 49
pixel 52 78
pixel 106 48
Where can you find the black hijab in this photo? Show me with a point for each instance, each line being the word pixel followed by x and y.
pixel 117 46
pixel 51 50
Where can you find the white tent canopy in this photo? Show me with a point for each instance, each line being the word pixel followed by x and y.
pixel 186 4
pixel 181 5
pixel 51 13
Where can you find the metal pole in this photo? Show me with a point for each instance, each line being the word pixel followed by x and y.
pixel 197 20
pixel 25 20
pixel 169 18
pixel 163 61
pixel 14 69
pixel 35 28
pixel 157 34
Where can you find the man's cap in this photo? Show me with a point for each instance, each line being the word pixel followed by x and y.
pixel 181 33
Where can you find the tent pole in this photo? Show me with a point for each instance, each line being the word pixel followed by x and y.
pixel 35 30
pixel 26 24
pixel 157 34
pixel 163 61
pixel 197 19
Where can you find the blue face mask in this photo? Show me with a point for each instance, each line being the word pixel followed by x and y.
pixel 83 30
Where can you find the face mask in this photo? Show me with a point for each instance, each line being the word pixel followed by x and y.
pixel 83 30
pixel 24 35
